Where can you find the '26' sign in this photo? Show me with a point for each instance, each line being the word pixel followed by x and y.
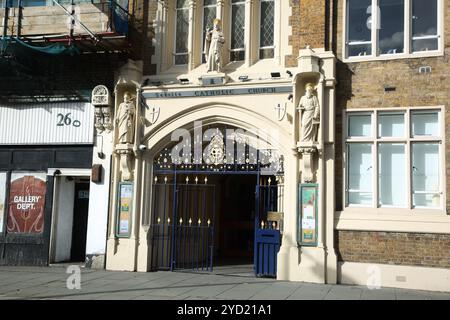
pixel 66 120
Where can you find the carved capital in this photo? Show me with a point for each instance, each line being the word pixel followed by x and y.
pixel 308 159
pixel 307 150
pixel 126 155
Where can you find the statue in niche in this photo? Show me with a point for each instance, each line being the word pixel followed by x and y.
pixel 309 104
pixel 214 42
pixel 125 119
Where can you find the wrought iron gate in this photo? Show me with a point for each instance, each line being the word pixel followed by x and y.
pixel 269 203
pixel 184 204
pixel 182 230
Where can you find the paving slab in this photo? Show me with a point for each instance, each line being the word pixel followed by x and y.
pixel 243 291
pixel 378 294
pixel 310 292
pixel 344 293
pixel 276 291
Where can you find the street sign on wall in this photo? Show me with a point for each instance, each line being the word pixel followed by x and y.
pixel 51 123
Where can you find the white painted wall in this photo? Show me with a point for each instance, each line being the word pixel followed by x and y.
pixel 99 199
pixel 394 276
pixel 64 216
pixel 59 123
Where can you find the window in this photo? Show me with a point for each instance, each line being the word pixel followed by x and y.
pixel 266 31
pixel 237 47
pixel 3 177
pixel 182 33
pixel 394 159
pixel 424 25
pixel 359 16
pixel 391 31
pixel 209 14
pixel 380 28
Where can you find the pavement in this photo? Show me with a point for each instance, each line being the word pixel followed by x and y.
pixel 225 283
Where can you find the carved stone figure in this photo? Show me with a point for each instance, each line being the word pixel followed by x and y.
pixel 125 120
pixel 101 100
pixel 214 42
pixel 311 114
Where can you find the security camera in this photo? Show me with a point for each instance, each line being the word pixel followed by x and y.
pixel 142 147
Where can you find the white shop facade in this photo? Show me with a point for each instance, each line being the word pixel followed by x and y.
pixel 46 215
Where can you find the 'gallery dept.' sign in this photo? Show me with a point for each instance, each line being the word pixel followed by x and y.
pixel 47 123
pixel 27 203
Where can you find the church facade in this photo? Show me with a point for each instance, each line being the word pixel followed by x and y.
pixel 308 140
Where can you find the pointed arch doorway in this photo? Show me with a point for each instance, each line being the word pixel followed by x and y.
pixel 217 199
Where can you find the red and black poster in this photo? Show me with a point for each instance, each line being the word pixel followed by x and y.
pixel 27 203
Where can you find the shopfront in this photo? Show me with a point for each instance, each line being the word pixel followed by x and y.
pixel 45 164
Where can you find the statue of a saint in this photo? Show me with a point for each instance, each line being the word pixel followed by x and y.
pixel 214 42
pixel 311 114
pixel 125 119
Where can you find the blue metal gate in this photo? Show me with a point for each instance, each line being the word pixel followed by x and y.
pixel 182 229
pixel 267 231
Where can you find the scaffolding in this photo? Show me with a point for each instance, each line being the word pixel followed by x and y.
pixel 70 31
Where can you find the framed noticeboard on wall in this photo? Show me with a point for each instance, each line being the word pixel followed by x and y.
pixel 124 209
pixel 307 222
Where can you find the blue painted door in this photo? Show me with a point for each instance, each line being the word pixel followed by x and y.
pixel 267 233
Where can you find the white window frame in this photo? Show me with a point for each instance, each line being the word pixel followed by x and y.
pixel 274 30
pixel 408 53
pixel 408 140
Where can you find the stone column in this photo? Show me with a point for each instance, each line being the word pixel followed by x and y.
pixel 220 11
pixel 163 24
pixel 122 251
pixel 248 32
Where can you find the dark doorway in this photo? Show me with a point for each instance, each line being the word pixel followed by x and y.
pixel 236 223
pixel 80 222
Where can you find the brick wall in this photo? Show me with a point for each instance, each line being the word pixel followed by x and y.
pixel 308 22
pixel 361 85
pixel 142 32
pixel 412 249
